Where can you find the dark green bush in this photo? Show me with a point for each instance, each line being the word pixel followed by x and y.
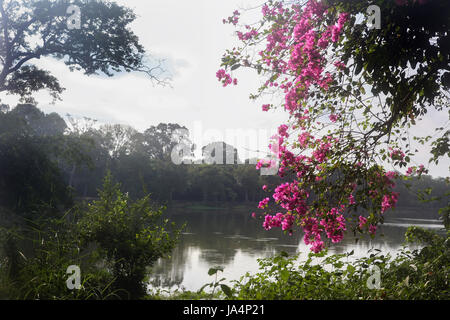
pixel 131 236
pixel 35 259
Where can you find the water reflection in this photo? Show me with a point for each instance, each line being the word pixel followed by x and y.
pixel 234 240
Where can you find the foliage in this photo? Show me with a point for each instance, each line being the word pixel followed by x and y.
pixel 216 283
pixel 35 258
pixel 83 153
pixel 182 294
pixel 30 181
pixel 32 150
pixel 219 290
pixel 407 37
pixel 417 275
pixel 130 235
pixel 113 241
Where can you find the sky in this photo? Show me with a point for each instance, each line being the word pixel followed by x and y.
pixel 191 37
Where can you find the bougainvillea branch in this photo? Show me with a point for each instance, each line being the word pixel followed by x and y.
pixel 338 137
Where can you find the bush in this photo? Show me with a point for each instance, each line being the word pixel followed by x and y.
pixel 113 242
pixel 35 259
pixel 131 236
pixel 418 274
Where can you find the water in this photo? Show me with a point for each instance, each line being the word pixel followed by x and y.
pixel 234 240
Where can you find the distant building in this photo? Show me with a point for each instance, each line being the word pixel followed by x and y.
pixel 220 153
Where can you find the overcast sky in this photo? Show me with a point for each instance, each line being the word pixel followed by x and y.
pixel 191 37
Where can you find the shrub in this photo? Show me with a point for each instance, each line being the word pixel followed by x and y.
pixel 131 235
pixel 35 259
pixel 418 274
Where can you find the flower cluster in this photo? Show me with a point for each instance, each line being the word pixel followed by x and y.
pixel 247 35
pixel 389 201
pixel 285 221
pixel 362 222
pixel 396 154
pixel 334 117
pixel 416 170
pixel 265 107
pixel 266 163
pixel 226 79
pixel 263 203
pixel 334 225
pixel 290 197
pixel 234 19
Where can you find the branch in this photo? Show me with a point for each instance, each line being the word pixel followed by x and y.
pixel 22 28
pixel 30 56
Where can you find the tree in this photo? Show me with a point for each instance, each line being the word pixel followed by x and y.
pixel 249 180
pixel 32 149
pixel 41 124
pixel 103 43
pixel 117 139
pixel 31 184
pixel 159 141
pixel 339 139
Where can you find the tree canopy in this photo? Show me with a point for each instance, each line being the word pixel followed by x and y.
pixel 102 43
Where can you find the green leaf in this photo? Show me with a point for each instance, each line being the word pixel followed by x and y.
pixel 214 270
pixel 284 274
pixel 358 68
pixel 284 254
pixel 236 66
pixel 227 290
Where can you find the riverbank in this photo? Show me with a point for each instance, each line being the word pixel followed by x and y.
pixel 406 212
pixel 213 206
pixel 403 212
